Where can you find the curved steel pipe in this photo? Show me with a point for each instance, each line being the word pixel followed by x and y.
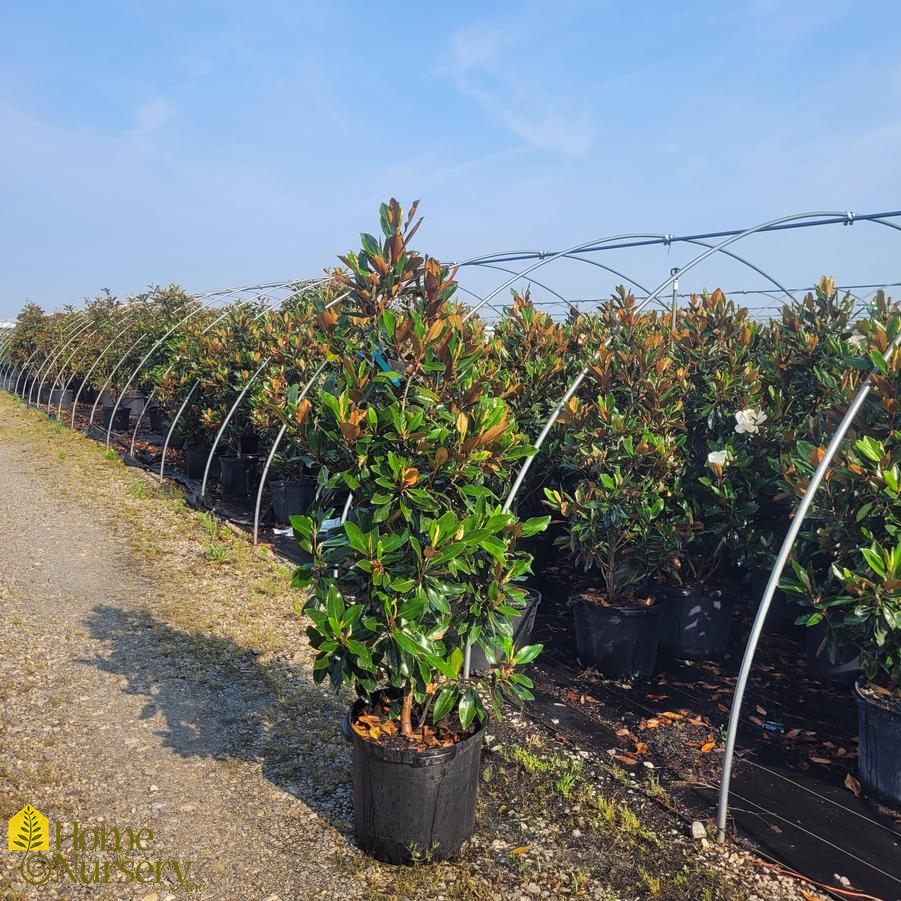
pixel 139 418
pixel 48 369
pixel 281 434
pixel 731 239
pixel 271 456
pixel 225 422
pixel 574 254
pixel 172 425
pixel 772 584
pixel 127 309
pixel 193 388
pixel 71 327
pixel 299 292
pixel 66 329
pixel 23 371
pixel 250 381
pixel 159 343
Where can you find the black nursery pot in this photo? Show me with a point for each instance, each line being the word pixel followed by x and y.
pixel 88 395
pixel 619 641
pixel 291 497
pixel 61 397
pixel 195 460
pixel 408 803
pixel 843 670
pixel 237 475
pixel 250 443
pixel 522 623
pixel 155 419
pixel 120 421
pixel 879 757
pixel 695 623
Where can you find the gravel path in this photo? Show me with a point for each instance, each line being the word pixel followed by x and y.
pixel 112 715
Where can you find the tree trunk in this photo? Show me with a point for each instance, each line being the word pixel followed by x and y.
pixel 406 713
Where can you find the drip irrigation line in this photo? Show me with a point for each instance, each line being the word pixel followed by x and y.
pixel 795 825
pixel 838 892
pixel 816 794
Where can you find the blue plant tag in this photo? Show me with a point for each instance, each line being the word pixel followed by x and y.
pixel 383 365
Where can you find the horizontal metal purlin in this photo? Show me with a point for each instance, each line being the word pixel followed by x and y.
pixel 849 219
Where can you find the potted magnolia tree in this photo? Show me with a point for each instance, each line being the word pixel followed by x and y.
pixel 870 600
pixel 802 357
pixel 619 441
pixel 856 605
pixel 425 565
pixel 849 567
pixel 290 335
pixel 723 467
pixel 24 345
pixel 840 519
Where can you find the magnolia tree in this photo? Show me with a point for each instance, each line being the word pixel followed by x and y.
pixel 724 459
pixel 847 568
pixel 619 440
pixel 294 348
pixel 407 420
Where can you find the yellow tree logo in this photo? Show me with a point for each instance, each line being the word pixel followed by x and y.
pixel 28 830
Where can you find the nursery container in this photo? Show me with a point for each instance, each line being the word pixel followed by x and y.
pixel 291 497
pixel 782 616
pixel 237 475
pixel 409 804
pixel 522 623
pixel 134 402
pixel 842 670
pixel 620 641
pixel 195 460
pixel 61 396
pixel 695 623
pixel 879 754
pixel 155 419
pixel 120 420
pixel 250 443
pixel 88 395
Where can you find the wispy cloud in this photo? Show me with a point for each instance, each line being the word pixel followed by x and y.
pixel 484 67
pixel 151 116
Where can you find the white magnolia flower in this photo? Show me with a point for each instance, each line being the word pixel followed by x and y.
pixel 718 458
pixel 749 420
pixel 858 341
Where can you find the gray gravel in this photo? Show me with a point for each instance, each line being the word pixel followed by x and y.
pixel 112 715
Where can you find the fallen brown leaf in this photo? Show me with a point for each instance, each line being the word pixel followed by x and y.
pixel 626 759
pixel 852 783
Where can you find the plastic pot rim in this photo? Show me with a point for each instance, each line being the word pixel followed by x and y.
pixel 407 756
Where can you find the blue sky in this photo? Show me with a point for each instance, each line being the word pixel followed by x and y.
pixel 216 143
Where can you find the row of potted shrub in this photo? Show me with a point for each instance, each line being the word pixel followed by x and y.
pixel 670 477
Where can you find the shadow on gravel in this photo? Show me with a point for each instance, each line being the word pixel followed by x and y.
pixel 219 701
